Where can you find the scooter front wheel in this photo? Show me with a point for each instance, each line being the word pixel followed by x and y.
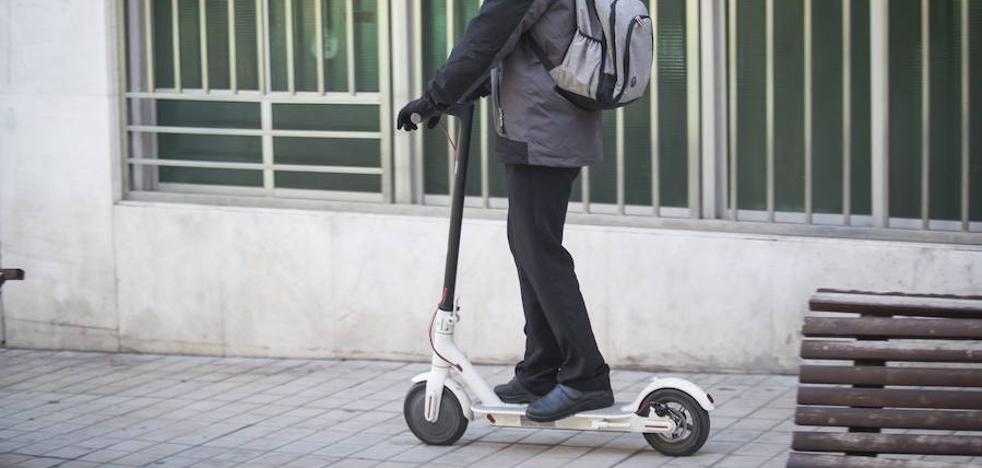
pixel 450 424
pixel 691 420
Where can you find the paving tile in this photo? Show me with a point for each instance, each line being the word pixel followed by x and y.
pixel 87 409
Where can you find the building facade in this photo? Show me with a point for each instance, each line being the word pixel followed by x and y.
pixel 223 177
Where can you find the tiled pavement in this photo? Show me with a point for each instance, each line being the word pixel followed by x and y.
pixel 73 409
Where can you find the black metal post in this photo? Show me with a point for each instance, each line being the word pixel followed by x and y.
pixel 465 113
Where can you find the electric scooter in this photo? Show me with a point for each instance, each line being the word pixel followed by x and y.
pixel 671 413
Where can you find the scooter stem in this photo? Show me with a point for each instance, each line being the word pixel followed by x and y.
pixel 465 113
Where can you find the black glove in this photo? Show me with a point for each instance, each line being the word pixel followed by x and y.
pixel 423 107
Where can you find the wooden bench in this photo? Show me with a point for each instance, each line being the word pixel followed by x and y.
pixel 10 275
pixel 907 363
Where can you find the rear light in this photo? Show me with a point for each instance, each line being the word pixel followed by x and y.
pixel 711 400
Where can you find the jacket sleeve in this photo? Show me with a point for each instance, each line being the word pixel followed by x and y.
pixel 466 70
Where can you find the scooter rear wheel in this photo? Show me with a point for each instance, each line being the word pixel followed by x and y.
pixel 691 419
pixel 450 424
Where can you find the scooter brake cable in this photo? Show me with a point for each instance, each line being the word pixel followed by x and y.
pixel 429 334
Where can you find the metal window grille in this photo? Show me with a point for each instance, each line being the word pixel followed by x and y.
pixel 259 97
pixel 836 117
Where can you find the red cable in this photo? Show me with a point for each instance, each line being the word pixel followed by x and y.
pixel 429 334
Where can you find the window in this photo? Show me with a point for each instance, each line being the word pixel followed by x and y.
pixel 762 115
pixel 256 97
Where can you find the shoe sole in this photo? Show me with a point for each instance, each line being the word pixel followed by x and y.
pixel 566 414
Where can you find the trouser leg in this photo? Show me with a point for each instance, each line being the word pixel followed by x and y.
pixel 557 327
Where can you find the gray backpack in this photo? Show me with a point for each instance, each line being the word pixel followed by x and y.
pixel 608 62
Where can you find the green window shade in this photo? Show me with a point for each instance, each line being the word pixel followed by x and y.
pixel 222 148
pixel 789 92
pixel 246 53
pixel 181 113
pixel 163 46
pixel 945 110
pixel 326 152
pixel 861 165
pixel 673 171
pixel 975 117
pixel 190 36
pixel 338 117
pixel 905 108
pixel 789 106
pixel 201 176
pixel 434 53
pixel 751 106
pixel 216 19
pixel 366 45
pixel 333 49
pixel 369 183
pixel 827 106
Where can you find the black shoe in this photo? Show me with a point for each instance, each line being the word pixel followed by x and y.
pixel 565 401
pixel 514 392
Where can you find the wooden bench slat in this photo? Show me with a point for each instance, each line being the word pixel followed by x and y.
pixel 875 327
pixel 877 375
pixel 890 397
pixel 922 305
pixel 886 351
pixel 808 460
pixel 887 443
pixel 889 418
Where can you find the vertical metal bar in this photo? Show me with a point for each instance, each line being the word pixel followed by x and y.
pixel 262 52
pixel 693 106
pixel 732 95
pixel 148 28
pixel 485 151
pixel 925 114
pixel 769 83
pixel 880 110
pixel 655 122
pixel 403 54
pixel 233 66
pixel 131 19
pixel 319 37
pixel 417 71
pixel 485 157
pixel 176 44
pixel 349 24
pixel 808 109
pixel 266 120
pixel 966 113
pixel 712 82
pixel 847 112
pixel 585 188
pixel 291 85
pixel 385 92
pixel 619 157
pixel 203 43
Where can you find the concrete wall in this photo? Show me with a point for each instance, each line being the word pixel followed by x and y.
pixel 56 173
pixel 155 277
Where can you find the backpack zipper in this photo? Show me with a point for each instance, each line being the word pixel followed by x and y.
pixel 627 51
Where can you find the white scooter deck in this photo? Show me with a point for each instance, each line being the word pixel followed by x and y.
pixel 616 418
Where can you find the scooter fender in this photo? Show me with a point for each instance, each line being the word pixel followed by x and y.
pixel 657 383
pixel 456 389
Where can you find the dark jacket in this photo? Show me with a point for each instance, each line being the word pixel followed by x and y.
pixel 535 124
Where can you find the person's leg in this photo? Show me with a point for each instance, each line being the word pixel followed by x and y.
pixel 537 201
pixel 537 371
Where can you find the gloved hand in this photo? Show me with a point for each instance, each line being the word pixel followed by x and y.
pixel 424 107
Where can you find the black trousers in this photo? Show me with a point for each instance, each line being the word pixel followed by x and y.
pixel 559 342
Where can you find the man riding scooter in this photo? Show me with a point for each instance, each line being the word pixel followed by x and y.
pixel 544 140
